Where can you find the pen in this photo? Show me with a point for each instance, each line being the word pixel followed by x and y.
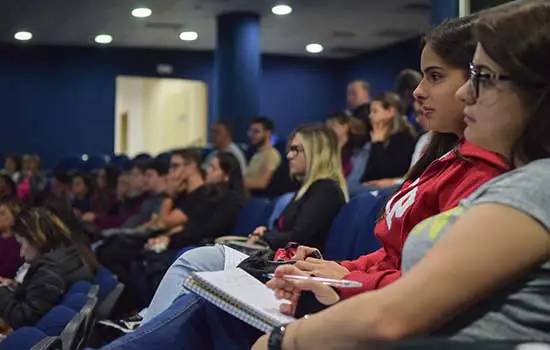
pixel 326 281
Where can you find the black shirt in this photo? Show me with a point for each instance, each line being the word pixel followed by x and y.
pixel 307 220
pixel 390 159
pixel 211 212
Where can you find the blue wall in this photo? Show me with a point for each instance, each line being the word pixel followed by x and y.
pixel 381 67
pixel 59 100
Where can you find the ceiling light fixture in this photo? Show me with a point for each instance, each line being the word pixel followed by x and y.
pixel 281 10
pixel 189 36
pixel 103 39
pixel 142 12
pixel 314 48
pixel 23 36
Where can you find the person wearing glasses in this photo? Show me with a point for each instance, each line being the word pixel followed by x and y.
pixel 266 160
pixel 481 270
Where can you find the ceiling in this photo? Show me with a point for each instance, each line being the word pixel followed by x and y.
pixel 344 27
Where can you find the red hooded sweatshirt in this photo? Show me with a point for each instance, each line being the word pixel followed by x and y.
pixel 441 187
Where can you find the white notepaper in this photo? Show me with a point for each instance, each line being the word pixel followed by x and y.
pixel 233 258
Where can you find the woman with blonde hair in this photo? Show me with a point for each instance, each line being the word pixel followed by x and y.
pixel 314 159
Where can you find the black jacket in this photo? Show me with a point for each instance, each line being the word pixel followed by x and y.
pixel 45 283
pixel 307 220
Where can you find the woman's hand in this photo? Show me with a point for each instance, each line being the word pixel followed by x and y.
pixel 303 252
pixel 322 268
pixel 7 282
pixel 257 234
pixel 162 241
pixel 291 290
pixel 89 216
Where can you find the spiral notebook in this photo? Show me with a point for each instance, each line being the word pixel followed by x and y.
pixel 241 295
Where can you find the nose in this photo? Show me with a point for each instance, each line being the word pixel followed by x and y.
pixel 464 94
pixel 419 93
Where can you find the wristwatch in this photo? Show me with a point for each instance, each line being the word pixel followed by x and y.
pixel 275 341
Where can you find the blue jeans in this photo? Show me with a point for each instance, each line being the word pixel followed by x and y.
pixel 189 323
pixel 200 259
pixel 173 329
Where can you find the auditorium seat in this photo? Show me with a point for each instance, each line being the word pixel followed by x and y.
pixel 255 213
pixel 23 338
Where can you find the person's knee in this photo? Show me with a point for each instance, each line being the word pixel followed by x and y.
pixel 209 258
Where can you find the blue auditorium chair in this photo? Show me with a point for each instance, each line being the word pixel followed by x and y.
pixel 83 287
pixel 23 338
pixel 279 204
pixel 106 281
pixel 255 213
pixel 75 301
pixel 53 323
pixel 351 231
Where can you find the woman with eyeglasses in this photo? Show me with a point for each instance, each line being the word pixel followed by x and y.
pixel 480 270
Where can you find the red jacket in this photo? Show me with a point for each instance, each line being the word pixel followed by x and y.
pixel 441 187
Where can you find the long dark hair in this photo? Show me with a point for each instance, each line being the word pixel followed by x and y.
pixel 516 36
pixel 453 41
pixel 232 168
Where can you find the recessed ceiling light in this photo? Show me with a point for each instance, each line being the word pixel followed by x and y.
pixel 189 36
pixel 142 12
pixel 23 36
pixel 281 10
pixel 103 39
pixel 314 48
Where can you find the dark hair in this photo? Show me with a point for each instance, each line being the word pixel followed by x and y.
pixel 140 164
pixel 193 155
pixel 62 177
pixel 112 172
pixel 266 123
pixel 42 229
pixel 10 184
pixel 87 181
pixel 17 160
pixel 226 125
pixel 365 85
pixel 517 38
pixel 159 166
pixel 391 100
pixel 407 80
pixel 232 168
pixel 453 41
pixel 339 117
pixel 14 204
pixel 81 234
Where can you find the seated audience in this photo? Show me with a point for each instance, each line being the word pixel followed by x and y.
pixel 222 140
pixel 61 185
pixel 156 172
pixel 392 143
pixel 210 215
pixel 339 123
pixel 8 188
pixel 9 248
pixel 406 82
pixel 32 182
pixel 265 161
pixel 478 271
pixel 81 194
pixel 447 173
pixel 55 263
pixel 424 139
pixel 358 98
pixel 359 146
pixel 314 158
pixel 12 167
pixel 106 181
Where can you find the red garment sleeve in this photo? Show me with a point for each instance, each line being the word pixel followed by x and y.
pixel 362 263
pixel 456 186
pixel 370 280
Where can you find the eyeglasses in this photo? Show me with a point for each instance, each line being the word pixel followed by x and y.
pixel 294 150
pixel 476 76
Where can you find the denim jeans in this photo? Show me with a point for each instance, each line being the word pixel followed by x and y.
pixel 178 327
pixel 210 258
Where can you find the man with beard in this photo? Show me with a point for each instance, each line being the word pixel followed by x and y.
pixel 266 160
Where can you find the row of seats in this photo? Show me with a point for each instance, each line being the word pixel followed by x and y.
pixel 68 325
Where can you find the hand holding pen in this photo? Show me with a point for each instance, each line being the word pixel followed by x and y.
pixel 290 289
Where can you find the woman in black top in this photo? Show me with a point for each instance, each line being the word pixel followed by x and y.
pixel 392 142
pixel 55 264
pixel 314 159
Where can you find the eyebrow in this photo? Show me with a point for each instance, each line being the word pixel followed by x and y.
pixel 432 68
